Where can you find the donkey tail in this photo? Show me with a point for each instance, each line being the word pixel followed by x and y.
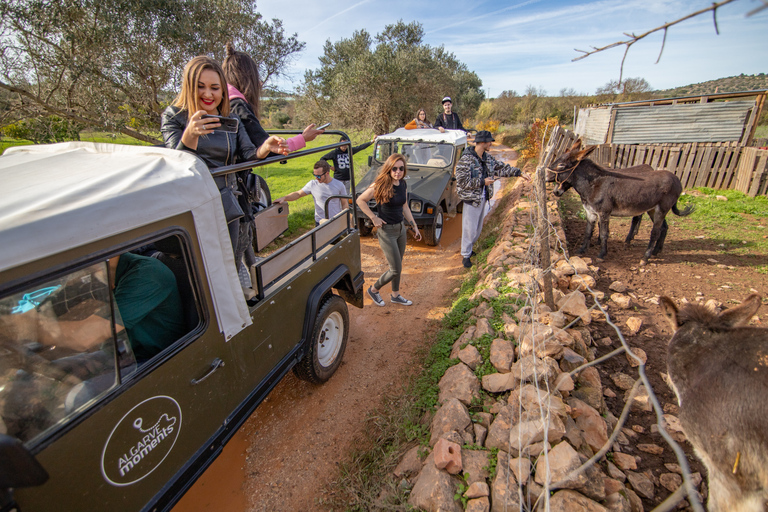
pixel 686 211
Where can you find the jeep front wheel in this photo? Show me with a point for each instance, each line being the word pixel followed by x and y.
pixel 328 341
pixel 434 231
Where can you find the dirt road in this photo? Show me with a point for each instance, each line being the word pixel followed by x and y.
pixel 291 447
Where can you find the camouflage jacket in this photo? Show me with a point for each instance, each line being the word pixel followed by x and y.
pixel 471 172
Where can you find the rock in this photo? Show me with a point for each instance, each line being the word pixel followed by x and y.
pixel 475 464
pixel 478 505
pixel 571 501
pixel 453 415
pixel 502 354
pixel 470 356
pixel 653 449
pixel 575 305
pixel 640 353
pixel 616 473
pixel 634 324
pixel 641 401
pixel 621 300
pixel 641 484
pixel 531 431
pixel 670 481
pixel 557 319
pixel 483 327
pixel 511 330
pixel 410 464
pixel 531 399
pixel 484 418
pixel 504 496
pixel 558 464
pixel 447 456
pixel 624 461
pixel 581 282
pixel 617 286
pixel 574 265
pixel 674 428
pixel 480 434
pixel 499 382
pixel 534 369
pixel 477 490
pixel 489 294
pixel 498 434
pixel 593 427
pixel 459 382
pixel 467 336
pixel 618 502
pixel 623 381
pixel 521 467
pixel 635 502
pixel 607 392
pixel 564 382
pixel 605 342
pixel 434 490
pixel 590 388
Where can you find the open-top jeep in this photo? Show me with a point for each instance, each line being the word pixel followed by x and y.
pixel 432 158
pixel 117 389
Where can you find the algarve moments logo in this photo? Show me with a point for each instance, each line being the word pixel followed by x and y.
pixel 141 441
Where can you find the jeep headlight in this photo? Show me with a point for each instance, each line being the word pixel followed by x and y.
pixel 415 206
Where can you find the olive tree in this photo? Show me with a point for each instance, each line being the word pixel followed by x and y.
pixel 379 83
pixel 116 64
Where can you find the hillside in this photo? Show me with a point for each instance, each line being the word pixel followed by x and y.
pixel 728 84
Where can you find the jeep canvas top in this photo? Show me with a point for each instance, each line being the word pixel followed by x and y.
pixel 129 354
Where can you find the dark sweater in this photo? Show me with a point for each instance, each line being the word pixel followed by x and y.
pixel 450 122
pixel 341 161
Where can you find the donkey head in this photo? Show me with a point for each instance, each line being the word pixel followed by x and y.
pixel 728 319
pixel 562 168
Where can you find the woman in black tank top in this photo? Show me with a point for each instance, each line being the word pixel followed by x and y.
pixel 390 191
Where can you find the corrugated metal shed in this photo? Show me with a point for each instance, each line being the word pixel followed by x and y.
pixel 697 122
pixel 592 124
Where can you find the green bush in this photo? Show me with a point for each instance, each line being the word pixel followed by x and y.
pixel 43 130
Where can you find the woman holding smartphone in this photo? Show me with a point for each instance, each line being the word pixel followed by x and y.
pixel 391 194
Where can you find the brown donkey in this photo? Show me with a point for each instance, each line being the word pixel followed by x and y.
pixel 619 193
pixel 719 371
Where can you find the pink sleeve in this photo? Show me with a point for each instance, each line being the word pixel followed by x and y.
pixel 295 143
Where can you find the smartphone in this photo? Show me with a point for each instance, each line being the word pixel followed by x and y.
pixel 323 126
pixel 228 124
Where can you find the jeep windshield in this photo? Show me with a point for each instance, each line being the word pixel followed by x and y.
pixel 423 154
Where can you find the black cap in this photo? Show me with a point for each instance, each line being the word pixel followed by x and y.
pixel 484 136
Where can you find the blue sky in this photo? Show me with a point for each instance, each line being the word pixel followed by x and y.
pixel 515 44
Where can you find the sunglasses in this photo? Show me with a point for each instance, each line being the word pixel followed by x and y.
pixel 318 176
pixel 398 169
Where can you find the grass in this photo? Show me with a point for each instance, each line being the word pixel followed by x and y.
pixel 366 481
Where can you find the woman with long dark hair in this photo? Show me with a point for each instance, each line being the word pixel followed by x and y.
pixel 391 194
pixel 420 121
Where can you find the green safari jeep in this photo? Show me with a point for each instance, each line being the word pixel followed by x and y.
pixel 432 157
pixel 129 353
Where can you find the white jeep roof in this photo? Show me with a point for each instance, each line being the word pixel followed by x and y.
pixel 60 196
pixel 453 137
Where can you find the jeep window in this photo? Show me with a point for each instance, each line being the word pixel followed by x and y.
pixel 427 154
pixel 382 151
pixel 67 341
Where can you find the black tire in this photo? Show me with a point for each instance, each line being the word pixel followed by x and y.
pixel 263 198
pixel 364 228
pixel 434 232
pixel 328 342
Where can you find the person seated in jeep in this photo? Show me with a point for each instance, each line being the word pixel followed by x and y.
pixel 448 120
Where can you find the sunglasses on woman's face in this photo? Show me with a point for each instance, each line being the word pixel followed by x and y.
pixel 400 168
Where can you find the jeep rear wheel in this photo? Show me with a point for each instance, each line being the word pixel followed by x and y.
pixel 328 341
pixel 434 231
pixel 263 197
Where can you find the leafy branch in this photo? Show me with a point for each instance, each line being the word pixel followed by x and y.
pixel 633 38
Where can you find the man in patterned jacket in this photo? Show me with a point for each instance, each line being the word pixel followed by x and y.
pixel 475 173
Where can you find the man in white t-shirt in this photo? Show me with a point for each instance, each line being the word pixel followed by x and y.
pixel 320 188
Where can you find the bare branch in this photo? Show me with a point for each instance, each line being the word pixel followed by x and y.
pixel 758 9
pixel 663 42
pixel 635 38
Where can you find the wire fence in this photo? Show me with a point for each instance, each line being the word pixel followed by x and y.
pixel 544 232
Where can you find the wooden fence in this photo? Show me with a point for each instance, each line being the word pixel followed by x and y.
pixel 724 165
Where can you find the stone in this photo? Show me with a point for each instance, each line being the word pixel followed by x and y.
pixel 608 393
pixel 593 427
pixel 511 329
pixel 574 265
pixel 502 355
pixel 581 282
pixel 564 382
pixel 616 473
pixel 558 464
pixel 640 354
pixel 635 503
pixel 531 431
pixel 653 449
pixel 623 381
pixel 521 467
pixel 467 336
pixel 453 415
pixel 641 401
pixel 634 324
pixel 483 327
pixel 641 484
pixel 590 388
pixel 531 399
pixel 617 286
pixel 470 356
pixel 575 305
pixel 475 464
pixel 570 360
pixel 410 464
pixel 484 418
pixel 478 505
pixel 618 502
pixel 477 490
pixel 621 300
pixel 571 501
pixel 489 294
pixel 504 495
pixel 480 434
pixel 459 382
pixel 434 489
pixel 499 382
pixel 535 369
pixel 670 481
pixel 624 461
pixel 447 456
pixel 498 434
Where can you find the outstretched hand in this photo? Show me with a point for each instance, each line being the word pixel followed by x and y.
pixel 525 176
pixel 310 132
pixel 274 144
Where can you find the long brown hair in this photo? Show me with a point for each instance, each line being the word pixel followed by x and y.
pixel 187 98
pixel 243 73
pixel 383 186
pixel 426 118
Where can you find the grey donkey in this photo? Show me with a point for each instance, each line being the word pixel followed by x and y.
pixel 719 370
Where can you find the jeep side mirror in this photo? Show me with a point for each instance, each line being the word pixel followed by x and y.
pixel 370 160
pixel 18 467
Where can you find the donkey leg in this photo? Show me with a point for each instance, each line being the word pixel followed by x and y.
pixel 658 220
pixel 633 229
pixel 604 218
pixel 662 236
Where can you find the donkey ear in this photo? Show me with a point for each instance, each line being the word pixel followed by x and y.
pixel 670 312
pixel 581 155
pixel 588 150
pixel 740 315
pixel 576 146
